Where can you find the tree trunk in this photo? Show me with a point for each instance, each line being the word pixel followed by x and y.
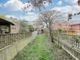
pixel 51 34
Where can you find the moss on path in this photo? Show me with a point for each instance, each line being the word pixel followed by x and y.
pixel 37 50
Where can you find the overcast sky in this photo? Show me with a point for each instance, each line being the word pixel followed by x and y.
pixel 15 8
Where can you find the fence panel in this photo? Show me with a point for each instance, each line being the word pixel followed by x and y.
pixel 8 39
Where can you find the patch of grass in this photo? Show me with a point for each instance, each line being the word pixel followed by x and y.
pixel 35 50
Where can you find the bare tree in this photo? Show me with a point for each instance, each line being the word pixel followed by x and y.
pixel 48 18
pixel 78 2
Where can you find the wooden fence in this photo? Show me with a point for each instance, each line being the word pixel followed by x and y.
pixel 8 39
pixel 67 46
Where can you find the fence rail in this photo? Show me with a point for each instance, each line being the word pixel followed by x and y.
pixel 68 48
pixel 8 39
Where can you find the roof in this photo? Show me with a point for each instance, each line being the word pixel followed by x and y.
pixel 5 22
pixel 8 20
pixel 69 22
pixel 74 22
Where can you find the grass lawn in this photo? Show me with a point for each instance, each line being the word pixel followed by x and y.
pixel 37 50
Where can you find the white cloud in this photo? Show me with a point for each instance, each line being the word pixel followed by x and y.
pixel 8 16
pixel 70 2
pixel 75 1
pixel 0 5
pixel 11 17
pixel 71 7
pixel 29 17
pixel 16 5
pixel 65 9
pixel 68 9
pixel 13 4
pixel 59 3
pixel 31 13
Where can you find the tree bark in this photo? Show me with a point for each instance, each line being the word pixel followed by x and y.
pixel 51 34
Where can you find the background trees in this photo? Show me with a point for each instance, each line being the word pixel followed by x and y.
pixel 25 27
pixel 39 3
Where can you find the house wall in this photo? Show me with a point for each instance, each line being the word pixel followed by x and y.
pixel 63 26
pixel 4 29
pixel 76 28
pixel 15 28
pixel 56 26
pixel 10 28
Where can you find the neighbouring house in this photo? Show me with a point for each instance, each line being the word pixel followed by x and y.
pixel 65 26
pixel 57 25
pixel 5 26
pixel 8 26
pixel 15 28
pixel 75 28
pixel 61 25
pixel 70 28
